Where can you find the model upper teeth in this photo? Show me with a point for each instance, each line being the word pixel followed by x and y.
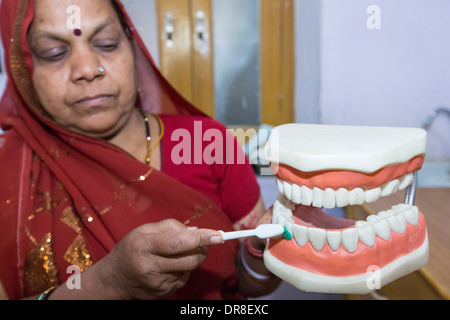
pixel 381 225
pixel 309 147
pixel 342 197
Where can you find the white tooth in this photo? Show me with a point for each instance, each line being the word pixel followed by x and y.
pixel 277 207
pixel 307 196
pixel 372 195
pixel 334 239
pixel 317 237
pixel 287 213
pixel 289 226
pixel 275 211
pixel 405 181
pixel 401 207
pixel 296 194
pixel 350 239
pixel 412 215
pixel 280 220
pixel 280 210
pixel 286 222
pixel 397 223
pixel 289 217
pixel 300 234
pixel 366 233
pixel 280 186
pixel 373 218
pixel 361 224
pixel 396 185
pixel 287 190
pixel 356 196
pixel 402 219
pixel 381 226
pixel 342 197
pixel 317 198
pixel 386 214
pixel 389 187
pixel 329 198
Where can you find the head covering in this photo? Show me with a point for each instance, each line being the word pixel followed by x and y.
pixel 67 199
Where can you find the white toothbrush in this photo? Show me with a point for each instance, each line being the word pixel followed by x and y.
pixel 263 231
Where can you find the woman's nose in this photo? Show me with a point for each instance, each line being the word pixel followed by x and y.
pixel 85 65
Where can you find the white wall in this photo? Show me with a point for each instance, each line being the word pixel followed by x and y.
pixel 308 62
pixel 389 77
pixel 143 15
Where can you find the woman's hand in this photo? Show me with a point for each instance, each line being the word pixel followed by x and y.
pixel 155 259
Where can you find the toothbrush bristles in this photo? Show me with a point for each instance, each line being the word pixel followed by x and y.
pixel 287 234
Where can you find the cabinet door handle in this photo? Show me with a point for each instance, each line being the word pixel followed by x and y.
pixel 169 29
pixel 200 27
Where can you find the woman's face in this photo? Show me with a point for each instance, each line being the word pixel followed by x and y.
pixel 66 75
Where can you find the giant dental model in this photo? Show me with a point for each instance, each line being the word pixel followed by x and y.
pixel 326 166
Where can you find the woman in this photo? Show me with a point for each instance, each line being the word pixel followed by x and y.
pixel 86 182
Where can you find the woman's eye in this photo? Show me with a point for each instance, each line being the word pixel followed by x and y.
pixel 107 47
pixel 57 56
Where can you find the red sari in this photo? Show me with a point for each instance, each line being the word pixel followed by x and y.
pixel 66 199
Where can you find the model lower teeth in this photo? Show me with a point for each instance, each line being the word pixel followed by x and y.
pixel 381 225
pixel 336 166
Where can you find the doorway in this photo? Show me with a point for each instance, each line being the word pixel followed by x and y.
pixel 232 59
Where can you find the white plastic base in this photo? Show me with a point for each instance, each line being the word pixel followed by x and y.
pixel 362 284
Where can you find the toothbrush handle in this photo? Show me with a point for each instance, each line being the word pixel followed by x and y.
pixel 237 234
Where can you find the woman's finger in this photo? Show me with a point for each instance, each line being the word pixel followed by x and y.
pixel 165 226
pixel 178 243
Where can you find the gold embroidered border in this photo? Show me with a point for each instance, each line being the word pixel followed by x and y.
pixel 19 69
pixel 40 269
pixel 69 218
pixel 77 253
pixel 119 196
pixel 199 212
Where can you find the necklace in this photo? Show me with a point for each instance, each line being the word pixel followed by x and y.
pixel 149 137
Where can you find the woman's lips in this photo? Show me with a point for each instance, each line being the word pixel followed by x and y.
pixel 95 101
